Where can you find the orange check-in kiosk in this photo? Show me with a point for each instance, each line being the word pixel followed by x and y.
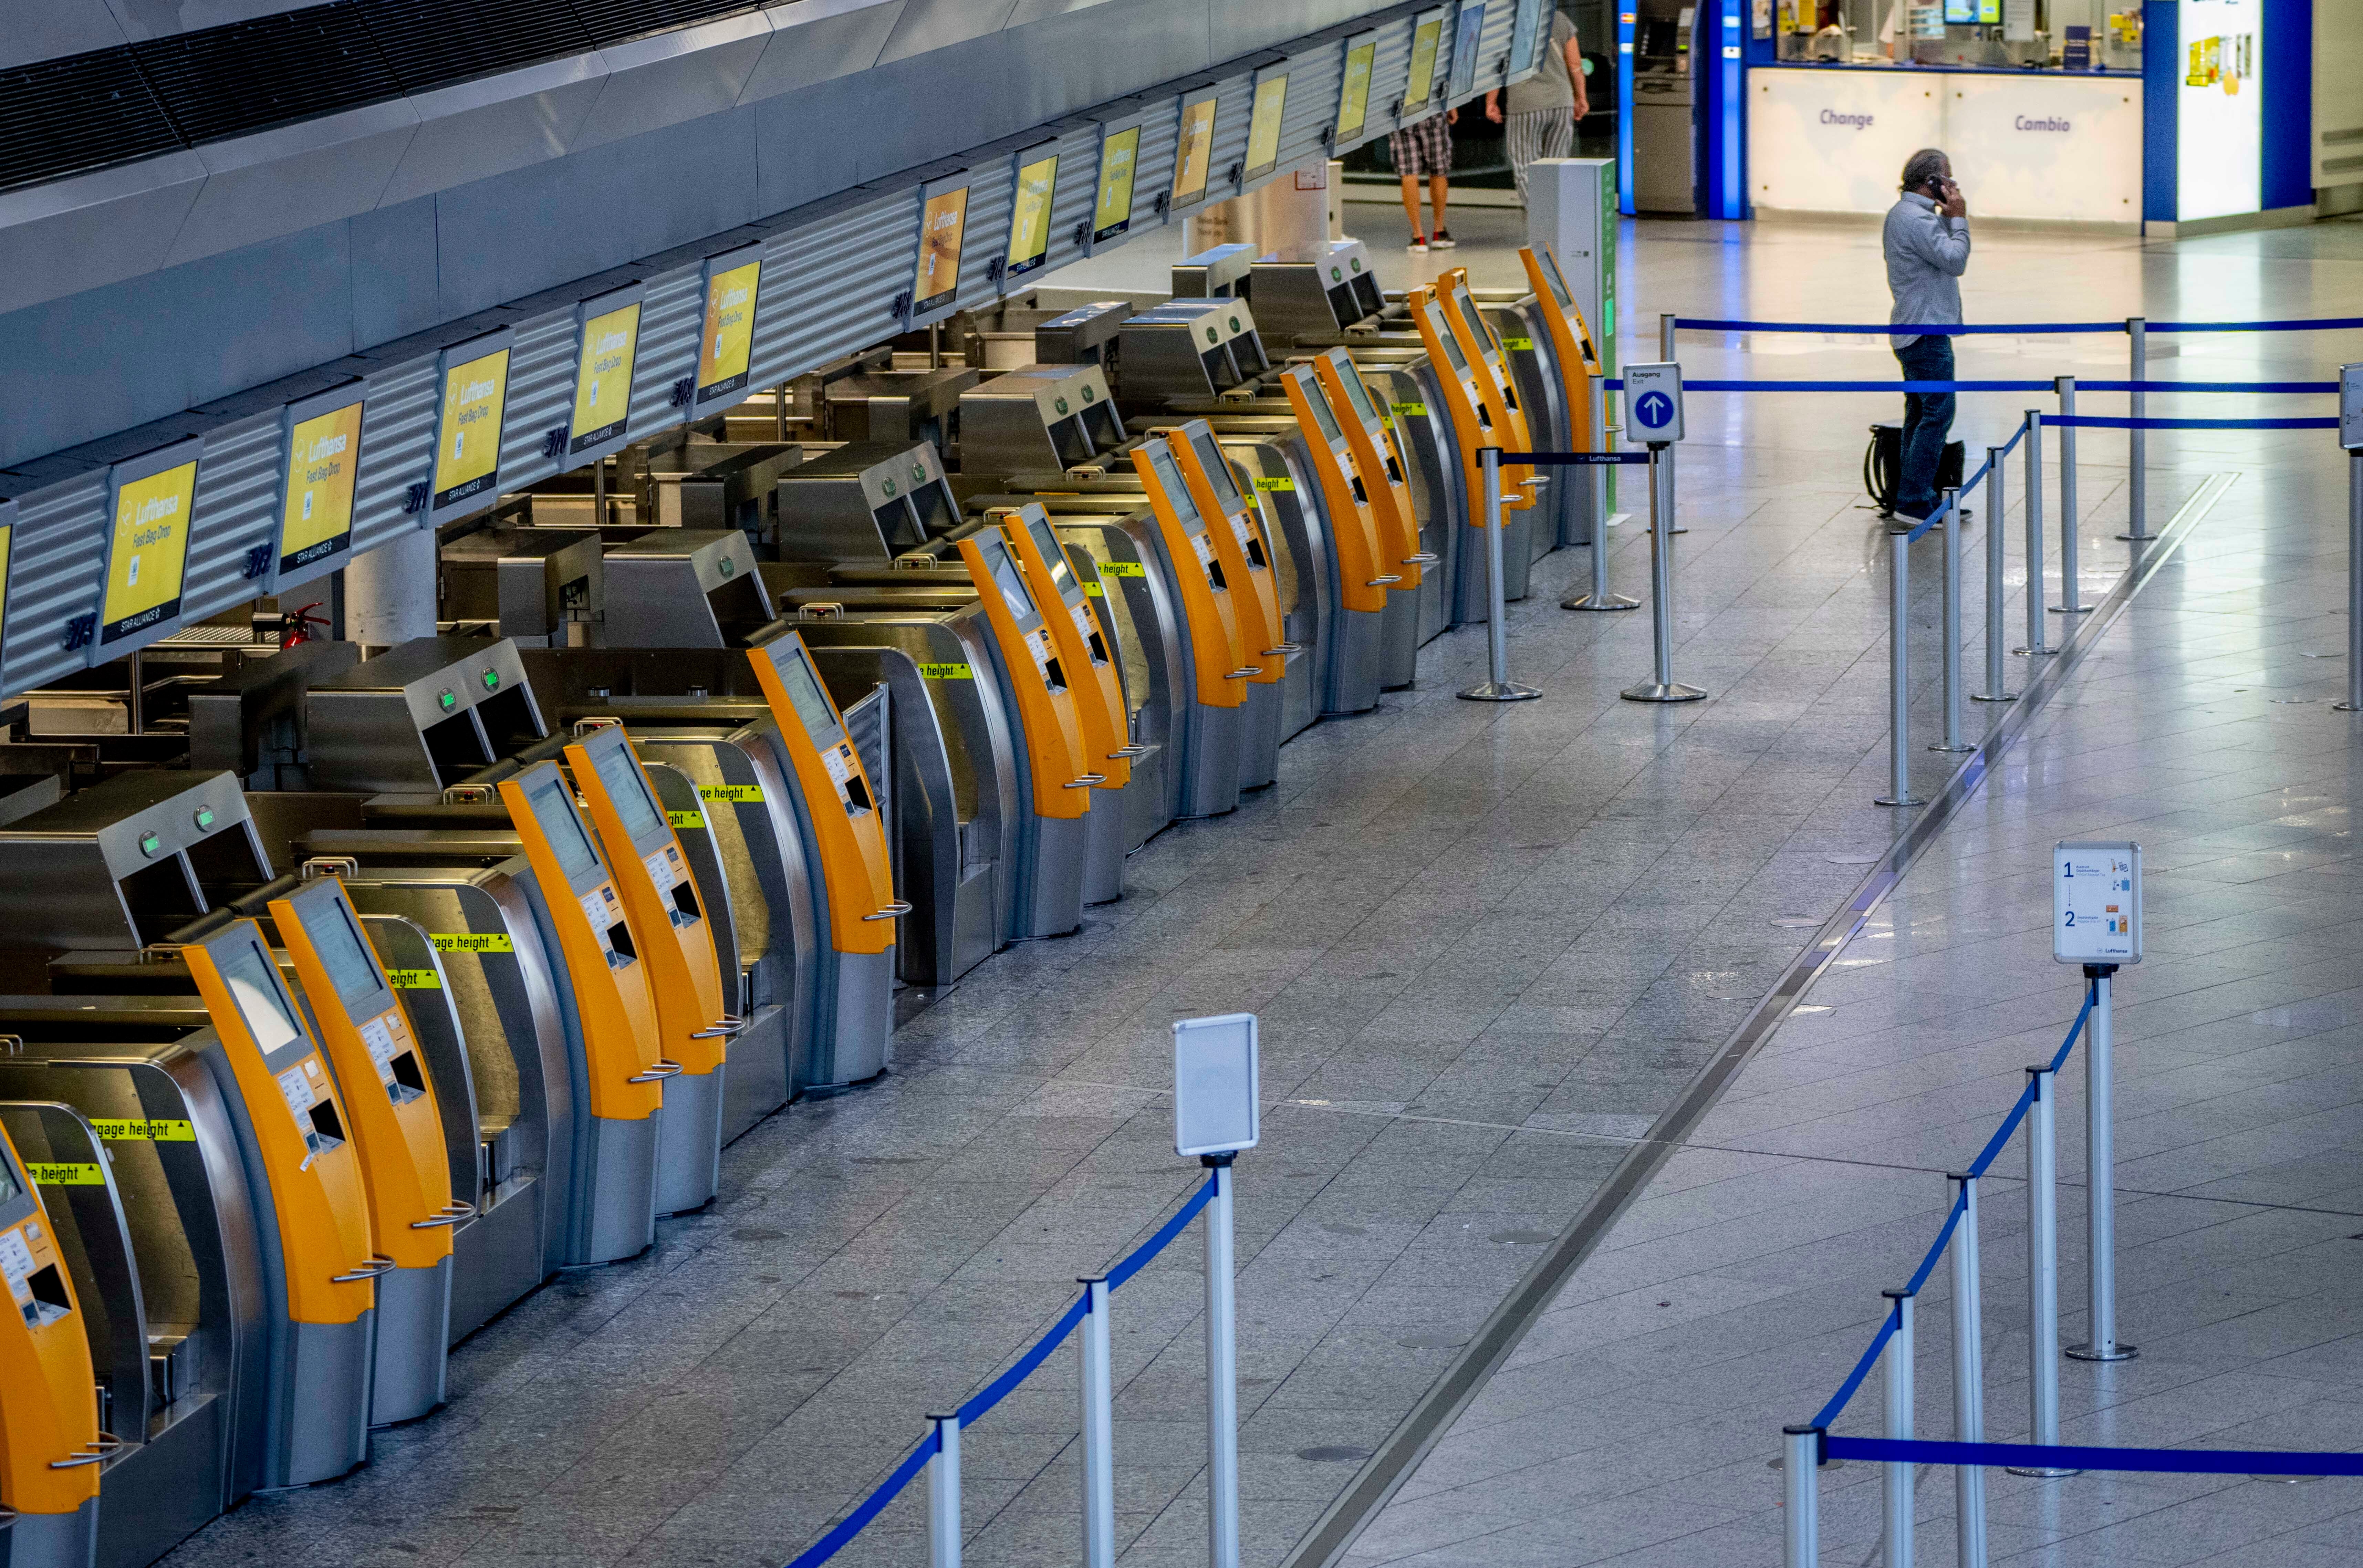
pixel 1379 463
pixel 851 877
pixel 1461 381
pixel 1235 527
pixel 676 944
pixel 50 1446
pixel 1577 355
pixel 1350 684
pixel 1086 651
pixel 618 1065
pixel 1211 721
pixel 1055 777
pixel 312 1213
pixel 398 1128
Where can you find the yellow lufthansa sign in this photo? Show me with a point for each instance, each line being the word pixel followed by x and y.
pixel 1263 126
pixel 1118 157
pixel 322 452
pixel 1029 223
pixel 149 551
pixel 1192 153
pixel 468 458
pixel 730 340
pixel 1354 93
pixel 942 223
pixel 1420 84
pixel 602 376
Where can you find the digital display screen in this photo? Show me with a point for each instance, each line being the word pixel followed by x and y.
pixel 1354 92
pixel 1029 221
pixel 602 376
pixel 1320 406
pixel 806 698
pixel 1118 156
pixel 1012 583
pixel 627 789
pixel 730 338
pixel 1475 320
pixel 559 824
pixel 1218 472
pixel 1170 479
pixel 1263 125
pixel 317 519
pixel 1444 335
pixel 942 223
pixel 150 552
pixel 342 953
pixel 1465 38
pixel 1054 557
pixel 1972 13
pixel 1194 153
pixel 1358 390
pixel 1420 85
pixel 254 987
pixel 468 460
pixel 9 1191
pixel 1551 276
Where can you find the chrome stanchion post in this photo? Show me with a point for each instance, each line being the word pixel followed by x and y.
pixel 2035 534
pixel 1899 669
pixel 944 1495
pixel 1098 1427
pixel 2071 590
pixel 2137 439
pixel 1895 1479
pixel 1666 334
pixel 1222 1373
pixel 1952 624
pixel 2042 1267
pixel 1801 1457
pixel 2354 702
pixel 1600 598
pixel 1996 686
pixel 1497 687
pixel 2101 1177
pixel 1969 1378
pixel 1664 687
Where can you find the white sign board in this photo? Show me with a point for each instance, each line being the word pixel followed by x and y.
pixel 1216 1109
pixel 1653 403
pixel 2096 903
pixel 2350 406
pixel 2219 98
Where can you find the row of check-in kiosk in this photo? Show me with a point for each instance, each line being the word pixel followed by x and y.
pixel 430 972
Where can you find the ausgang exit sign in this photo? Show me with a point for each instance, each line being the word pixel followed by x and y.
pixel 2096 903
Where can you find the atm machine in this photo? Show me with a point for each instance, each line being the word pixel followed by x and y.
pixel 382 1073
pixel 51 1444
pixel 836 802
pixel 1055 776
pixel 1211 737
pixel 1379 465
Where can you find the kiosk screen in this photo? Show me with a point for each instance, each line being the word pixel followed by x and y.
pixel 1218 473
pixel 563 829
pixel 1470 313
pixel 10 1193
pixel 1358 393
pixel 1176 493
pixel 811 703
pixel 1551 276
pixel 1013 587
pixel 341 952
pixel 1321 416
pixel 629 788
pixel 256 992
pixel 1451 344
pixel 1062 578
pixel 1117 156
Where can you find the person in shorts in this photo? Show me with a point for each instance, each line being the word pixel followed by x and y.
pixel 1424 150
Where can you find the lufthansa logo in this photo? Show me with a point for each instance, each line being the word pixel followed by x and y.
pixel 1835 117
pixel 2047 122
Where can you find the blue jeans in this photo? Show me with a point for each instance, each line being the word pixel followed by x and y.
pixel 1927 421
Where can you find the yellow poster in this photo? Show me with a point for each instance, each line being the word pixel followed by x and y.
pixel 1263 126
pixel 1195 149
pixel 1118 155
pixel 1420 84
pixel 468 459
pixel 603 377
pixel 1354 95
pixel 149 548
pixel 1029 225
pixel 941 222
pixel 730 338
pixel 321 455
pixel 8 536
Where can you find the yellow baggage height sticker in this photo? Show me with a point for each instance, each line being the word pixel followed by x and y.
pixel 414 980
pixel 1118 156
pixel 1029 225
pixel 685 820
pixel 722 354
pixel 468 457
pixel 149 551
pixel 738 795
pixel 53 1174
pixel 322 453
pixel 134 1129
pixel 477 943
pixel 602 376
pixel 1123 569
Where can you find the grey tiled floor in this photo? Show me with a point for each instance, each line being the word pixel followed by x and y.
pixel 1488 946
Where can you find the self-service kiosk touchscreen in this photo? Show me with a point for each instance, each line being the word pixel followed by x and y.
pixel 50 1445
pixel 621 1068
pixel 662 906
pixel 1212 731
pixel 1058 779
pixel 397 1126
pixel 313 1218
pixel 853 878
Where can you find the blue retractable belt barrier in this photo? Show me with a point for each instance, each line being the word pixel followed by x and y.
pixel 2045 1456
pixel 2107 422
pixel 1707 324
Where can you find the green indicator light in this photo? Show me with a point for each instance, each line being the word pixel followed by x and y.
pixel 149 843
pixel 492 679
pixel 447 699
pixel 205 817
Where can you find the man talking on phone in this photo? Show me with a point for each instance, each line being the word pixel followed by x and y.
pixel 1927 246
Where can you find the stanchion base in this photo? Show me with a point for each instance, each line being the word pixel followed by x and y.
pixel 2124 1353
pixel 2346 708
pixel 1893 800
pixel 1994 696
pixel 2138 538
pixel 1498 691
pixel 1940 748
pixel 2070 609
pixel 1590 602
pixel 2035 652
pixel 2040 1475
pixel 1672 691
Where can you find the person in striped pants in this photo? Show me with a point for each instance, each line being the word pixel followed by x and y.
pixel 1543 109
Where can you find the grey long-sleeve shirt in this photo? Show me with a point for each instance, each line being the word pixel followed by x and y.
pixel 1927 254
